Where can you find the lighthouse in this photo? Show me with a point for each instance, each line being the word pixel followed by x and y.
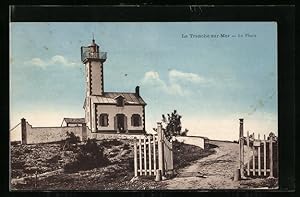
pixel 109 112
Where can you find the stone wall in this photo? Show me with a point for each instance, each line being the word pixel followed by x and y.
pixel 35 135
pixel 201 142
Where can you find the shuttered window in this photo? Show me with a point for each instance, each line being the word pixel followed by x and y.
pixel 103 120
pixel 136 120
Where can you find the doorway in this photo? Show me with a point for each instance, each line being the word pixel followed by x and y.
pixel 121 123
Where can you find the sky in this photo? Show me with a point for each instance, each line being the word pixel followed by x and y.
pixel 212 73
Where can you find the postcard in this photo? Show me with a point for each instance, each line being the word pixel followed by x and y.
pixel 143 105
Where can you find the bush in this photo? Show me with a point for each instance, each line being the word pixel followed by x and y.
pixel 72 138
pixel 70 143
pixel 90 156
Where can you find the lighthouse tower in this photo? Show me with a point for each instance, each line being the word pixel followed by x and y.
pixel 93 59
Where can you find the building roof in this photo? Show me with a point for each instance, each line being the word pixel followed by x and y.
pixel 74 120
pixel 110 98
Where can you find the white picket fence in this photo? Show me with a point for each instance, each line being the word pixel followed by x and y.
pixel 264 154
pixel 262 162
pixel 152 153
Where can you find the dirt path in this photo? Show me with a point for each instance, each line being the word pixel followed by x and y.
pixel 212 172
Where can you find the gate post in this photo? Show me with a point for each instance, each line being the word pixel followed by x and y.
pixel 241 143
pixel 160 148
pixel 23 131
pixel 135 158
pixel 271 156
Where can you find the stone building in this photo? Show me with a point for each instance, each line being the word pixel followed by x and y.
pixel 109 112
pixel 72 122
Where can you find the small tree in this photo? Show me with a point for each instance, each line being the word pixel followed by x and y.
pixel 173 125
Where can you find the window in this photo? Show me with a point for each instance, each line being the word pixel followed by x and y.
pixel 136 120
pixel 103 120
pixel 120 101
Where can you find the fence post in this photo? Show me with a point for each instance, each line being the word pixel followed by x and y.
pixel 253 158
pixel 140 155
pixel 248 140
pixel 265 156
pixel 172 157
pixel 149 156
pixel 241 142
pixel 135 157
pixel 84 132
pixel 23 131
pixel 271 155
pixel 154 154
pixel 258 155
pixel 145 155
pixel 248 146
pixel 160 148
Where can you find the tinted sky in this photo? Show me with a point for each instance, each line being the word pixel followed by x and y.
pixel 211 82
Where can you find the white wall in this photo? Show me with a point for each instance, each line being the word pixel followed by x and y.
pixel 87 113
pixel 127 110
pixel 192 140
pixel 100 136
pixel 37 135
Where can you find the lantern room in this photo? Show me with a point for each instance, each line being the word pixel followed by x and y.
pixel 92 53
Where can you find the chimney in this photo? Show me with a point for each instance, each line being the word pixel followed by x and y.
pixel 137 90
pixel 241 127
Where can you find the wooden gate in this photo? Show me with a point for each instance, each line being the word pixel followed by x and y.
pixel 167 155
pixel 151 153
pixel 263 161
